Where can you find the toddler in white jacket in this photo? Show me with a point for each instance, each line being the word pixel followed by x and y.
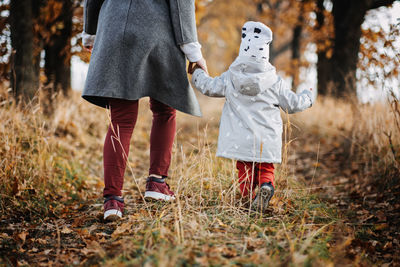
pixel 251 124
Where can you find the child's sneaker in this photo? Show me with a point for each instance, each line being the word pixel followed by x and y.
pixel 158 189
pixel 264 194
pixel 113 208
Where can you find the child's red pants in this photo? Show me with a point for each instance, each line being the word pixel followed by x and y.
pixel 253 174
pixel 116 146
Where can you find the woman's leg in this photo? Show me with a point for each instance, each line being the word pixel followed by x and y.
pixel 161 137
pixel 161 140
pixel 247 183
pixel 116 145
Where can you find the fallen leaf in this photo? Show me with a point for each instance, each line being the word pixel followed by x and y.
pixel 381 216
pixel 121 229
pixel 22 263
pixel 66 230
pixel 41 241
pixel 94 247
pixel 23 236
pixel 388 245
pixel 381 226
pixel 228 252
pixel 4 235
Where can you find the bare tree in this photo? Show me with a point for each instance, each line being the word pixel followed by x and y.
pixel 58 48
pixel 24 65
pixel 348 17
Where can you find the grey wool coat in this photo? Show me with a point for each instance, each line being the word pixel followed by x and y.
pixel 136 51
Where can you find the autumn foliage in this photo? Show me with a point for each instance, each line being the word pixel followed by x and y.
pixel 336 202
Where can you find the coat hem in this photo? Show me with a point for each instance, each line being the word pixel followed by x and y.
pixel 249 159
pixel 101 101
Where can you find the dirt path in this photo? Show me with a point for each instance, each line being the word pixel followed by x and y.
pixel 369 206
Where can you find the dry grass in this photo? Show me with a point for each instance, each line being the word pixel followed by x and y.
pixel 370 133
pixel 49 161
pixel 43 158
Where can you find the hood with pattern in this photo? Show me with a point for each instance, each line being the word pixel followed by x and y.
pixel 251 71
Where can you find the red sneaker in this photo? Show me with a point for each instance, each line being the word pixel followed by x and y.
pixel 158 190
pixel 113 208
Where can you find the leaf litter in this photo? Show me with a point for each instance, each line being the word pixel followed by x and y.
pixel 323 212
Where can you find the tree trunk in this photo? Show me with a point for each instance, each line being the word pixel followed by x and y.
pixel 24 77
pixel 296 42
pixel 348 17
pixel 323 61
pixel 323 74
pixel 58 52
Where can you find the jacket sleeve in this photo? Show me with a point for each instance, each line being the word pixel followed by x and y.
pixel 91 15
pixel 210 86
pixel 292 102
pixel 183 21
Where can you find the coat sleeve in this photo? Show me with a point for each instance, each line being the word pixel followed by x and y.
pixel 183 21
pixel 292 102
pixel 210 86
pixel 91 15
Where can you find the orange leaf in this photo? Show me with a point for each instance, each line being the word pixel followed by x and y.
pixel 23 236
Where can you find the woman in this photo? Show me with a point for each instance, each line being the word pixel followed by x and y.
pixel 139 49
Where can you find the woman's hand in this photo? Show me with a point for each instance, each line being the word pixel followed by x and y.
pixel 202 64
pixel 199 64
pixel 88 48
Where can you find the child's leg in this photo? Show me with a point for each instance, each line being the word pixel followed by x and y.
pixel 246 177
pixel 161 137
pixel 116 145
pixel 265 179
pixel 265 173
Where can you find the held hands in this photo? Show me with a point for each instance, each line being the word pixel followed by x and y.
pixel 88 48
pixel 196 65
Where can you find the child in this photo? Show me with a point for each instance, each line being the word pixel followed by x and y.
pixel 251 125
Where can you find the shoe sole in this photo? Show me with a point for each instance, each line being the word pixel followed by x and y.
pixel 158 196
pixel 262 199
pixel 112 215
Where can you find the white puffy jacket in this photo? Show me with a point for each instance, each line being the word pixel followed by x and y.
pixel 251 124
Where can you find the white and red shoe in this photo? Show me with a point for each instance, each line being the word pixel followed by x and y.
pixel 113 208
pixel 158 189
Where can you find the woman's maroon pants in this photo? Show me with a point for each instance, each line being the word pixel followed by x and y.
pixel 116 146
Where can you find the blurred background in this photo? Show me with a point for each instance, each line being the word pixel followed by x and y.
pixel 337 199
pixel 340 47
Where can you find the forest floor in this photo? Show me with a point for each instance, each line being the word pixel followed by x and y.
pixel 369 208
pixel 324 211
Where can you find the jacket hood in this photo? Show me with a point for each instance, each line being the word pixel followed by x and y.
pixel 251 71
pixel 256 38
pixel 251 76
